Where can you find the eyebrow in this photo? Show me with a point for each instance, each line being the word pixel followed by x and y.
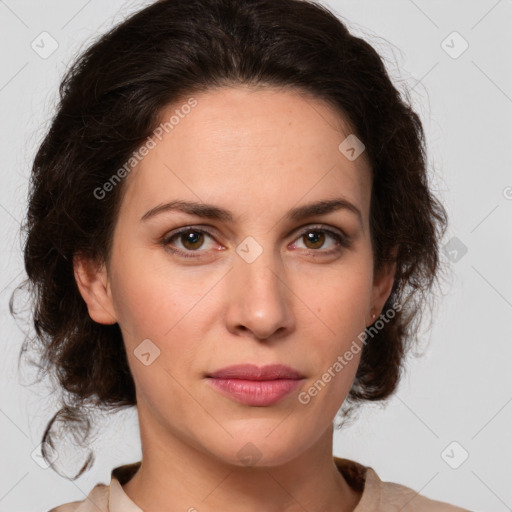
pixel 213 212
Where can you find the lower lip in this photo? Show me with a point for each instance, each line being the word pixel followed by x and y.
pixel 255 392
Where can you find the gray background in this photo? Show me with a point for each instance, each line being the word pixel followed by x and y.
pixel 460 390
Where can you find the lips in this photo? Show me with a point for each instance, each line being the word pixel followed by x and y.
pixel 256 386
pixel 253 372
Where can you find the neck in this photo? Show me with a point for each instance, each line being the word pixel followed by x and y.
pixel 175 476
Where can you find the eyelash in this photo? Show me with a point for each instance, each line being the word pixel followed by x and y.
pixel 342 240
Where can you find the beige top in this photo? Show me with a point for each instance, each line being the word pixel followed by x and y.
pixel 377 496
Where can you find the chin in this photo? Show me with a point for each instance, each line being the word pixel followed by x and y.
pixel 261 446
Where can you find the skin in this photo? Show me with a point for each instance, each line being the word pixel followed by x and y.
pixel 257 152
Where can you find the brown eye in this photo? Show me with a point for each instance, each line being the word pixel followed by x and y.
pixel 315 238
pixel 190 242
pixel 190 239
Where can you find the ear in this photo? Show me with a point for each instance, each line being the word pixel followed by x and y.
pixel 92 281
pixel 382 286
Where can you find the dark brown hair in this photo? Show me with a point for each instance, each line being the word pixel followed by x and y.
pixel 110 102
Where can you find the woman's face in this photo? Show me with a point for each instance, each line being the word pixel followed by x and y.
pixel 253 285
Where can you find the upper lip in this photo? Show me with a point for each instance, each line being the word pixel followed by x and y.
pixel 254 372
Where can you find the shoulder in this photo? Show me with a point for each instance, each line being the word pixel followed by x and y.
pixel 394 495
pixel 96 501
pixel 103 496
pixel 387 496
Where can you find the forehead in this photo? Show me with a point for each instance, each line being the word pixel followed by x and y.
pixel 250 146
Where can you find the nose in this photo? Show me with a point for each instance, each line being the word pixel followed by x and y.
pixel 259 298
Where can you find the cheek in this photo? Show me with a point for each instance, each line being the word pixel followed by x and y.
pixel 337 319
pixel 335 344
pixel 167 306
pixel 339 303
pixel 150 308
pixel 150 296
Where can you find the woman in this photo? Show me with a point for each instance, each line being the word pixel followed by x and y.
pixel 230 227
